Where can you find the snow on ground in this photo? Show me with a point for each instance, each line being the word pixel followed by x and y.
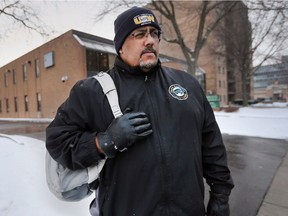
pixel 255 121
pixel 23 190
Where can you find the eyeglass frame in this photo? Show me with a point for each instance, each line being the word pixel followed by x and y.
pixel 144 33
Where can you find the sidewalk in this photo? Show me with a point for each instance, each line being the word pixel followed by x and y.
pixel 275 202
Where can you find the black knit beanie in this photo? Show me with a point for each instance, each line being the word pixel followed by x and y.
pixel 129 20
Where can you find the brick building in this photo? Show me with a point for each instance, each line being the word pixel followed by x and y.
pixel 35 84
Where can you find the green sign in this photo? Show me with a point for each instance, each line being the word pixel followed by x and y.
pixel 214 101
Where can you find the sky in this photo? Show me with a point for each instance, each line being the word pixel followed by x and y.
pixel 23 189
pixel 58 17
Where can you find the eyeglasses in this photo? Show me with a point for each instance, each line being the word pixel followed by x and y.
pixel 154 33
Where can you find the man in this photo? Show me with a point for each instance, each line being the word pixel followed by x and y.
pixel 161 148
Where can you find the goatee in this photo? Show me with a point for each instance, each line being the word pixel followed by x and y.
pixel 147 66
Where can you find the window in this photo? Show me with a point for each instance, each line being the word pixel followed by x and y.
pixel 0 106
pixel 49 59
pixel 26 102
pixel 14 76
pixel 24 68
pixel 219 83
pixel 6 79
pixel 96 62
pixel 7 105
pixel 37 68
pixel 103 62
pixel 38 98
pixel 15 104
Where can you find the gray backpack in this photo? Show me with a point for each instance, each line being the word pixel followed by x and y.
pixel 73 185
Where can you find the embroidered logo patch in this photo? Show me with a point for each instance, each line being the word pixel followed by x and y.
pixel 144 19
pixel 178 92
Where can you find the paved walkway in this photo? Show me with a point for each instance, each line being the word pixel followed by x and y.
pixel 275 202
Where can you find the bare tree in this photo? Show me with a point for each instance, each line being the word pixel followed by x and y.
pixel 269 20
pixel 236 34
pixel 169 10
pixel 21 14
pixel 265 39
pixel 205 26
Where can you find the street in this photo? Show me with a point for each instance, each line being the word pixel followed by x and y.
pixel 253 162
pixel 30 129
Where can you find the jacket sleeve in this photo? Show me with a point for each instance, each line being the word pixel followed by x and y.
pixel 215 168
pixel 70 138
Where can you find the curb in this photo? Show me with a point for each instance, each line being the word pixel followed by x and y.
pixel 275 202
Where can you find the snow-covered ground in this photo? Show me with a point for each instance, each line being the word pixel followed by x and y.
pixel 23 190
pixel 260 120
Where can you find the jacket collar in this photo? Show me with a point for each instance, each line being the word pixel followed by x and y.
pixel 123 67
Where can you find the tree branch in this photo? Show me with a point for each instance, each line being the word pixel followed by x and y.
pixel 22 14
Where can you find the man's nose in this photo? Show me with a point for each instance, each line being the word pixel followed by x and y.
pixel 149 39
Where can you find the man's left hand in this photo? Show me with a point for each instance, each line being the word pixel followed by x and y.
pixel 218 205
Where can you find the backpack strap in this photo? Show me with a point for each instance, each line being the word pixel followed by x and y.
pixel 73 185
pixel 110 91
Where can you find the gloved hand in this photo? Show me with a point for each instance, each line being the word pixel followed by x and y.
pixel 218 205
pixel 123 132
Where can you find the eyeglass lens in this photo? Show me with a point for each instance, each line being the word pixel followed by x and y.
pixel 154 33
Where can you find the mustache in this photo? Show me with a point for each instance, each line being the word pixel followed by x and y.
pixel 148 50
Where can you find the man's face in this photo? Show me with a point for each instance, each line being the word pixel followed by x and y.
pixel 141 49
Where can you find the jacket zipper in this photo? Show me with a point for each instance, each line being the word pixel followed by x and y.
pixel 163 163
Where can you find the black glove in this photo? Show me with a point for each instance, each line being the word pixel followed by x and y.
pixel 123 132
pixel 218 205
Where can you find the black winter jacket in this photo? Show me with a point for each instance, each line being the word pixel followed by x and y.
pixel 162 174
